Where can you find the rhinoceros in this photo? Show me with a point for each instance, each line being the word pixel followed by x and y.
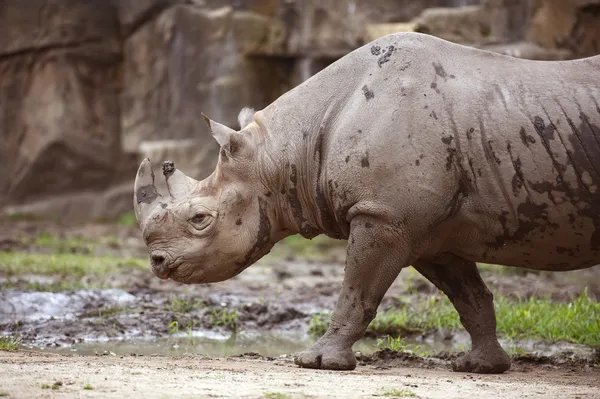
pixel 417 151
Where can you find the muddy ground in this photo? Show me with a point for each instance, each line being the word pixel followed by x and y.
pixel 125 331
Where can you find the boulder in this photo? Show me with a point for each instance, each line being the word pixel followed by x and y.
pixel 573 25
pixel 190 60
pixel 59 90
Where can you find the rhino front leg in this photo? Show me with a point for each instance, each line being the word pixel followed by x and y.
pixel 459 279
pixel 376 253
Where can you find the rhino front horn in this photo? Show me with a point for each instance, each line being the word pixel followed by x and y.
pixel 145 194
pixel 178 183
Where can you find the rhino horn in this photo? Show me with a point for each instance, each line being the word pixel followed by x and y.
pixel 145 194
pixel 178 183
pixel 220 132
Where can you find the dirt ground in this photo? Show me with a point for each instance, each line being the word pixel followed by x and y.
pixel 277 295
pixel 22 373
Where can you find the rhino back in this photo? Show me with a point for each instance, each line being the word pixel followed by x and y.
pixel 494 158
pixel 498 157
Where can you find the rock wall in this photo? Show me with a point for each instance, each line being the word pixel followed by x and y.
pixel 89 87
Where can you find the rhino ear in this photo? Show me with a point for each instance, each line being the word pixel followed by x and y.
pixel 230 141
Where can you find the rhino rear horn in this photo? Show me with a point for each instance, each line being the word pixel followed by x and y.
pixel 178 183
pixel 145 195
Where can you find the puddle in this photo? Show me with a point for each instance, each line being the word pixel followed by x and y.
pixel 203 343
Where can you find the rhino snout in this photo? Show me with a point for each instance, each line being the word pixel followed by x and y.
pixel 159 261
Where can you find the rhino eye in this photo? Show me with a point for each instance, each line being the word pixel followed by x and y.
pixel 200 220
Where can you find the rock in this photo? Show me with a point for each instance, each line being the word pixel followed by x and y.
pixel 466 25
pixel 529 51
pixel 375 31
pixel 566 24
pixel 59 69
pixel 190 60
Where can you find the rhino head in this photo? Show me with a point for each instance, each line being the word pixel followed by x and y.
pixel 210 230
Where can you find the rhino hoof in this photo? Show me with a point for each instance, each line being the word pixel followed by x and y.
pixel 322 358
pixel 483 362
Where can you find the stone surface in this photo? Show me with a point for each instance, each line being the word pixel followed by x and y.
pixel 573 25
pixel 190 60
pixel 59 114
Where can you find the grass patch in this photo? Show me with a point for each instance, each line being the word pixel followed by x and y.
pixel 224 317
pixel 318 248
pixel 10 343
pixel 2 394
pixel 75 266
pixel 127 219
pixel 577 321
pixel 179 305
pixel 88 387
pixel 397 393
pixel 62 245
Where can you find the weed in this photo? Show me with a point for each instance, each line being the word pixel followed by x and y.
pixel 88 387
pixel 173 327
pixel 2 394
pixel 10 343
pixel 397 393
pixel 179 305
pixel 276 395
pixel 54 386
pixel 318 323
pixel 224 317
pixel 396 344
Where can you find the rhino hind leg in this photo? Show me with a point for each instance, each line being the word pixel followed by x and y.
pixel 460 280
pixel 374 258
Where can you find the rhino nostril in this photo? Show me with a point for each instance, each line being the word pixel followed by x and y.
pixel 157 260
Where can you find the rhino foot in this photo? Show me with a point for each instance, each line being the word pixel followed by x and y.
pixel 327 357
pixel 483 361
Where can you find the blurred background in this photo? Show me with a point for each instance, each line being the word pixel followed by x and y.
pixel 90 87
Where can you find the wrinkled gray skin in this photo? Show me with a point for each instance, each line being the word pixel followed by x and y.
pixel 419 152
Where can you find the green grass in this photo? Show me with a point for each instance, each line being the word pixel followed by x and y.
pixel 88 387
pixel 397 393
pixel 9 343
pixel 227 318
pixel 71 265
pixel 318 248
pixel 127 219
pixel 577 321
pixel 60 245
pixel 185 305
pixel 2 394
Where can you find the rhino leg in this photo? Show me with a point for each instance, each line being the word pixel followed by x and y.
pixel 459 279
pixel 374 258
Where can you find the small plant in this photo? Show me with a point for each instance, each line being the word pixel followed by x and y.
pixel 173 327
pixel 396 344
pixel 2 394
pixel 397 393
pixel 318 323
pixel 224 317
pixel 88 387
pixel 54 386
pixel 276 395
pixel 179 305
pixel 10 343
